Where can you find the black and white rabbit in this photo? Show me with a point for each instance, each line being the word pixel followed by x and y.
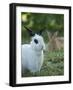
pixel 32 53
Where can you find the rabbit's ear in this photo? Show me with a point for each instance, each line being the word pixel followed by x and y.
pixel 49 34
pixel 41 31
pixel 56 33
pixel 29 31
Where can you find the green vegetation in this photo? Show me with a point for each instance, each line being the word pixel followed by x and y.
pixel 53 65
pixel 41 21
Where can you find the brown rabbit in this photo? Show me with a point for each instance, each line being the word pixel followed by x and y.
pixel 55 42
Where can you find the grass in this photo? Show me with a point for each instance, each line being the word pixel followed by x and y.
pixel 53 65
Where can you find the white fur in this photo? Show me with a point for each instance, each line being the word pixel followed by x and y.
pixel 32 54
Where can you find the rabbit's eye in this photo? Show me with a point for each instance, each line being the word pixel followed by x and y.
pixel 36 41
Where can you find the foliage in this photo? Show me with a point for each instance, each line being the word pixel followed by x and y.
pixel 40 21
pixel 53 65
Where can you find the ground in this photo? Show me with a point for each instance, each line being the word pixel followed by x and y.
pixel 53 65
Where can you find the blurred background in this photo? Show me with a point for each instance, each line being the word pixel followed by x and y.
pixel 54 55
pixel 40 21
